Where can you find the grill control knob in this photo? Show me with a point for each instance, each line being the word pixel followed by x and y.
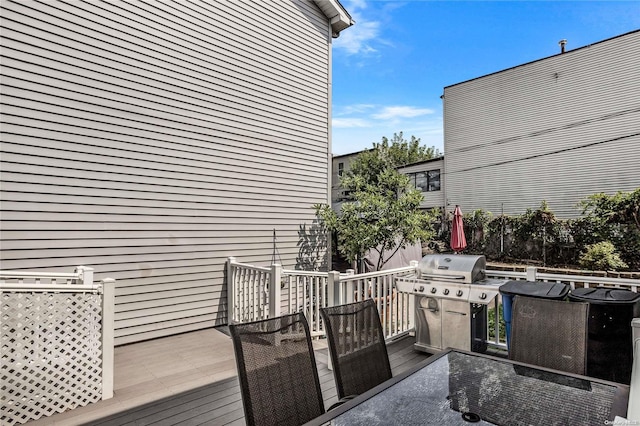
pixel 446 291
pixel 483 296
pixel 433 290
pixel 459 293
pixel 421 289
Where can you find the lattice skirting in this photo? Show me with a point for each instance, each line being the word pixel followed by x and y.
pixel 50 353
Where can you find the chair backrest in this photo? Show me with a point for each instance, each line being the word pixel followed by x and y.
pixel 550 333
pixel 357 347
pixel 277 371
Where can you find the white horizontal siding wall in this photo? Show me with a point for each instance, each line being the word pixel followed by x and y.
pixel 152 140
pixel 558 129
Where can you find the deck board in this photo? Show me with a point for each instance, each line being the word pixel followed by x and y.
pixel 191 379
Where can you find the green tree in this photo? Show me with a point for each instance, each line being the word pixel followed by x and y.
pixel 614 218
pixel 475 229
pixel 621 208
pixel 601 256
pixel 535 230
pixel 403 152
pixel 383 213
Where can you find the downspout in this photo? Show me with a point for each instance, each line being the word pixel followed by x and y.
pixel 329 135
pixel 443 174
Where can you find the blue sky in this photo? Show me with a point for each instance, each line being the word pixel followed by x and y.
pixel 389 70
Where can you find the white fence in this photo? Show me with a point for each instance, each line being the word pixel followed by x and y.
pixel 252 298
pixel 532 274
pixel 396 309
pixel 574 281
pixel 57 342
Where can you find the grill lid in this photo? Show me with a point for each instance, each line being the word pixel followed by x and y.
pixel 453 267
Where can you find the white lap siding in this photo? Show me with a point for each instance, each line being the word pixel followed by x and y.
pixel 558 129
pixel 152 140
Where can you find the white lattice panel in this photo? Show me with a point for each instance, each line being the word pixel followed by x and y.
pixel 50 353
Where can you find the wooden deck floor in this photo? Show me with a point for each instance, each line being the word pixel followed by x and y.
pixel 191 379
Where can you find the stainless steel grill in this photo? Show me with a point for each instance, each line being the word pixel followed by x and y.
pixel 452 297
pixel 460 268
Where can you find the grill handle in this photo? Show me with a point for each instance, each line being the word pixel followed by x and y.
pixel 455 312
pixel 444 277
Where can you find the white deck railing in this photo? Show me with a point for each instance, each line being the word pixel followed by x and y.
pixel 251 298
pixel 532 274
pixel 57 342
pixel 396 309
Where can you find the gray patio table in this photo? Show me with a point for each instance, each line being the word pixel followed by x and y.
pixel 458 387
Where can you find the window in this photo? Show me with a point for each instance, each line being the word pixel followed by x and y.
pixel 434 180
pixel 422 182
pixel 340 169
pixel 425 181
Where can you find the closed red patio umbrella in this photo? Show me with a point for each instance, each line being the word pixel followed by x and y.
pixel 458 240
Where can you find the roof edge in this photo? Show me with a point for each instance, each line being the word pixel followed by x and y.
pixel 337 15
pixel 545 58
pixel 417 163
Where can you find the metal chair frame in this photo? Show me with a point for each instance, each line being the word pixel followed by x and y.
pixel 357 347
pixel 277 371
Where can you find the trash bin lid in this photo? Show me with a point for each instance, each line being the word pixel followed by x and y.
pixel 539 289
pixel 605 296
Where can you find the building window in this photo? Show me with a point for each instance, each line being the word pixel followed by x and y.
pixel 425 181
pixel 340 169
pixel 434 180
pixel 422 182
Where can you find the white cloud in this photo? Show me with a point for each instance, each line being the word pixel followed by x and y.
pixel 356 4
pixel 349 122
pixel 392 112
pixel 357 126
pixel 358 38
pixel 354 139
pixel 355 109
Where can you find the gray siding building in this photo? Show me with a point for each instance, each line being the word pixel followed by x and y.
pixel 557 129
pixel 425 175
pixel 152 140
pixel 340 165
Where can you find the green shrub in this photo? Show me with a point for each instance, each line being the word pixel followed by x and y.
pixel 491 320
pixel 601 256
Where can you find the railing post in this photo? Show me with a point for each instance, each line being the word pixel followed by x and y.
pixel 108 313
pixel 412 302
pixel 347 295
pixel 531 273
pixel 86 273
pixel 231 291
pixel 274 290
pixel 333 288
pixel 334 295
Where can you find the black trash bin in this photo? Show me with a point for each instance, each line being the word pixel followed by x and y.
pixel 609 344
pixel 543 290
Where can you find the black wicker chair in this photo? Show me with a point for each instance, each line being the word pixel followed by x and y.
pixel 277 371
pixel 357 347
pixel 549 333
